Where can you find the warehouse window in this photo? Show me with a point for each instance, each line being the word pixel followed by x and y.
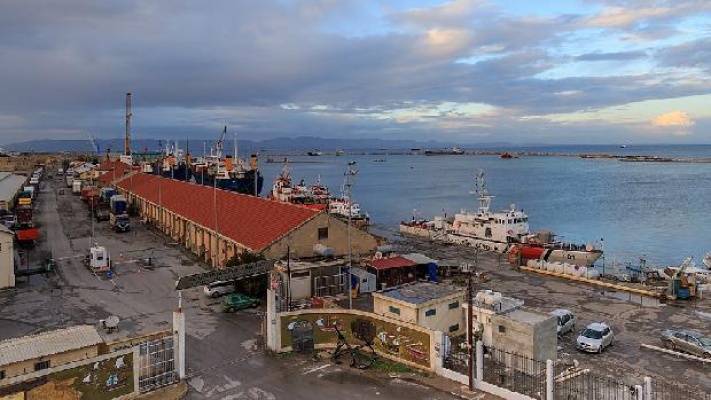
pixel 454 328
pixel 394 310
pixel 2 374
pixel 431 312
pixel 41 365
pixel 322 233
pixel 454 305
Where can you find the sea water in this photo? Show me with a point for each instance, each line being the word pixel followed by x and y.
pixel 631 209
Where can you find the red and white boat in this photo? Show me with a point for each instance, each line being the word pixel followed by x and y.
pixel 315 196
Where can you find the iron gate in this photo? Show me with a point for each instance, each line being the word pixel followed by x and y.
pixel 455 354
pixel 157 365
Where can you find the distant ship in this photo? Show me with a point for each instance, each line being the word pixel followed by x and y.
pixel 228 172
pixel 174 164
pixel 315 196
pixel 316 152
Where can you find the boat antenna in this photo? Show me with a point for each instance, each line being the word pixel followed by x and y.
pixel 482 193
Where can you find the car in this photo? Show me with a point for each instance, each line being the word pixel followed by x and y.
pixel 687 341
pixel 238 301
pixel 218 288
pixel 595 338
pixel 566 320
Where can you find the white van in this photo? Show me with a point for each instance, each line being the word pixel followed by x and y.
pixel 566 320
pixel 218 288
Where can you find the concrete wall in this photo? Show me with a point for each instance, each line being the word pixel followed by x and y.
pixel 382 306
pixel 55 360
pixel 301 241
pixel 533 340
pixel 444 317
pixel 7 267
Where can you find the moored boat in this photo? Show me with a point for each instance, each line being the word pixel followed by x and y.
pixel 505 231
pixel 174 164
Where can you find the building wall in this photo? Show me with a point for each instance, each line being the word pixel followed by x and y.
pixel 537 341
pixel 7 268
pixel 55 360
pixel 301 241
pixel 388 307
pixel 445 317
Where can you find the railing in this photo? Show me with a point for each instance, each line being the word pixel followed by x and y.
pixel 515 372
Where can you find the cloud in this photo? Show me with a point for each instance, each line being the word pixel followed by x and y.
pixel 619 56
pixel 674 119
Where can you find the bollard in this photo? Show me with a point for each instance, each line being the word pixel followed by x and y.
pixel 639 391
pixel 480 361
pixel 550 379
pixel 647 388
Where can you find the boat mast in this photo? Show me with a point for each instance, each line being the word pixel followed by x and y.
pixel 481 192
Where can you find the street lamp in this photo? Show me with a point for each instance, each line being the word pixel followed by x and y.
pixel 348 192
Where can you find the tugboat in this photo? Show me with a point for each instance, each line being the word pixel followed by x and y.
pixel 344 207
pixel 229 172
pixel 503 232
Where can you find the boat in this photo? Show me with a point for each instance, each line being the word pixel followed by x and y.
pixel 315 196
pixel 506 155
pixel 341 207
pixel 315 153
pixel 174 164
pixel 340 152
pixel 504 231
pixel 228 172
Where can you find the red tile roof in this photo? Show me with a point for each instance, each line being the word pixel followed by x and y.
pixel 250 221
pixel 114 170
pixel 387 263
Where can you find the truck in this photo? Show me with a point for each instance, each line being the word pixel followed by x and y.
pixel 101 212
pixel 76 186
pixel 30 189
pixel 90 195
pixel 106 194
pixel 119 222
pixel 69 179
pixel 23 212
pixel 118 219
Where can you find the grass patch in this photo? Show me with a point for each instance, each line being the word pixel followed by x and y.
pixel 387 366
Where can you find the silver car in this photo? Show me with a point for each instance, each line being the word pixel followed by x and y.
pixel 595 338
pixel 688 342
pixel 566 321
pixel 218 288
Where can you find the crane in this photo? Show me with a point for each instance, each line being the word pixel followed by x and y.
pixel 94 146
pixel 220 140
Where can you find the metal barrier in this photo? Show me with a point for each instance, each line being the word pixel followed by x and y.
pixel 515 372
pixel 455 354
pixel 157 365
pixel 661 391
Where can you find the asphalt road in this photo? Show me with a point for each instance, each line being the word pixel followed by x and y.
pixel 224 361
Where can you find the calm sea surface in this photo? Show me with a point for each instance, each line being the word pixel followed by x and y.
pixel 660 210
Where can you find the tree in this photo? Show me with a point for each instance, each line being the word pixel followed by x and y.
pixel 244 258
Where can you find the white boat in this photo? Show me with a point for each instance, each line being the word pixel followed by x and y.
pixel 503 231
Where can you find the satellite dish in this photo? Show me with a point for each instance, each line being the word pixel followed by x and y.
pixel 378 255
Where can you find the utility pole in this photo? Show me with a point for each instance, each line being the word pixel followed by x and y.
pixel 127 138
pixel 214 210
pixel 348 192
pixel 470 325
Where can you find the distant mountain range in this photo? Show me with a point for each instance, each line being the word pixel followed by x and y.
pixel 302 143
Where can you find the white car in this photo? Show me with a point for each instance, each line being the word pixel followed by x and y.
pixel 595 338
pixel 566 320
pixel 218 288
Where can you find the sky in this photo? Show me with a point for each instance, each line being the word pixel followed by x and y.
pixel 462 71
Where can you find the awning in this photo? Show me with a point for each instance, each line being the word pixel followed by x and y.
pixel 26 235
pixel 387 263
pixel 419 258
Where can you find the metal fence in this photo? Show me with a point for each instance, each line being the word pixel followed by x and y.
pixel 515 372
pixel 662 391
pixel 582 384
pixel 455 354
pixel 157 365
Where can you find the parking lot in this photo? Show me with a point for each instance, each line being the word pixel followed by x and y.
pixel 633 320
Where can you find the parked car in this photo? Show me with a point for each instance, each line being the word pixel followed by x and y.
pixel 594 338
pixel 566 320
pixel 238 301
pixel 218 288
pixel 687 341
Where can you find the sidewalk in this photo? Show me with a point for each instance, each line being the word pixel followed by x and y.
pixel 441 384
pixel 172 392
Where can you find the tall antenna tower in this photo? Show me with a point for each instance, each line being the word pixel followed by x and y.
pixel 127 139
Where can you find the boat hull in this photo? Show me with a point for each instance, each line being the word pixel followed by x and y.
pixel 246 185
pixel 180 173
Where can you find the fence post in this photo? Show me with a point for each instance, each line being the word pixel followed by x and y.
pixel 640 392
pixel 550 380
pixel 647 388
pixel 479 361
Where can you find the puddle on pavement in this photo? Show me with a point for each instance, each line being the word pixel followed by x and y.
pixel 643 301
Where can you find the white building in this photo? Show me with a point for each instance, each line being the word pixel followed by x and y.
pixel 430 305
pixel 7 251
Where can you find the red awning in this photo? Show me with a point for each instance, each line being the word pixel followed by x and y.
pixel 387 263
pixel 26 235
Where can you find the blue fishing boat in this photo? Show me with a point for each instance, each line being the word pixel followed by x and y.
pixel 228 172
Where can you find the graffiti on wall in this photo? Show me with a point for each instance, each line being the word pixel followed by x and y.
pixel 387 337
pixel 100 380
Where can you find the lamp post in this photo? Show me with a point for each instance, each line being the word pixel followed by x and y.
pixel 348 189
